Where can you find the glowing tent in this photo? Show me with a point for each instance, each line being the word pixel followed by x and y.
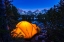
pixel 25 29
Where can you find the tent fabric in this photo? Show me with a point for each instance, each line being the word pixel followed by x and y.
pixel 28 30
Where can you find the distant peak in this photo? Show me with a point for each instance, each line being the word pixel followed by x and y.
pixel 20 9
pixel 37 10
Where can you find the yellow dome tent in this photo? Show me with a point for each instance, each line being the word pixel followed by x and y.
pixel 25 29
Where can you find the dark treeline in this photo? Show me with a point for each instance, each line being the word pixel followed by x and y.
pixel 53 20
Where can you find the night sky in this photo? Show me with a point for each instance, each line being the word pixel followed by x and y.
pixel 34 4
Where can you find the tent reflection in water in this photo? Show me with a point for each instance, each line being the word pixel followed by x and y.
pixel 25 29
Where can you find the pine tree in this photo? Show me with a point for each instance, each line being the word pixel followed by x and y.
pixel 4 35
